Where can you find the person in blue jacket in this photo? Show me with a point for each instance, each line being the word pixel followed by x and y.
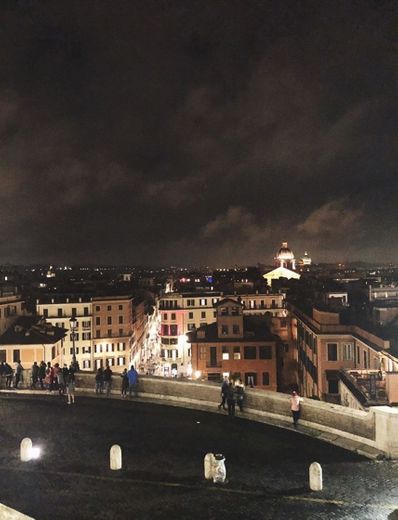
pixel 132 375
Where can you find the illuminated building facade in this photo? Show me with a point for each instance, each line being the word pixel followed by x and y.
pixel 235 346
pixel 285 257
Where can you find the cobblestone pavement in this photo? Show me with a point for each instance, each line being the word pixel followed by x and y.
pixel 162 477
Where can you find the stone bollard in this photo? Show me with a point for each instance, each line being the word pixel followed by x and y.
pixel 26 449
pixel 116 457
pixel 209 464
pixel 219 469
pixel 316 477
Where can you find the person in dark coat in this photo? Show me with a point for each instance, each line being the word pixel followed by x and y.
pixel 231 399
pixel 18 373
pixel 224 389
pixel 240 393
pixel 35 374
pixel 108 380
pixel 42 374
pixel 8 373
pixel 99 381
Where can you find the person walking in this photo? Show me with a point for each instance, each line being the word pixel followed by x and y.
pixel 35 374
pixel 240 394
pixel 231 399
pixel 132 375
pixel 18 373
pixel 42 374
pixel 70 387
pixel 224 389
pixel 108 380
pixel 295 401
pixel 125 383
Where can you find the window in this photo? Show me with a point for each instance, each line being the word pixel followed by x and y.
pixel 215 314
pixel 109 308
pixel 202 352
pixel 173 330
pixel 348 352
pixel 165 330
pixel 265 352
pixel 59 313
pixel 225 353
pixel 165 316
pixel 86 335
pixel 235 311
pixel 283 323
pixel 121 332
pixel 120 307
pixel 74 312
pixel 109 320
pixel 120 320
pixel 85 311
pixel 224 311
pixel 173 316
pixel 86 350
pixel 97 333
pixel 191 326
pixel 86 363
pixel 98 320
pixel 110 362
pixel 365 359
pixel 3 356
pixel 235 329
pixel 203 302
pixel 332 351
pixel 121 361
pixel 250 352
pixel 97 308
pixel 250 379
pixel 333 386
pixel 190 315
pixel 203 315
pixel 265 378
pixel 110 333
pixel 45 313
pixel 236 352
pixel 224 329
pixel 98 363
pixel 86 324
pixel 76 336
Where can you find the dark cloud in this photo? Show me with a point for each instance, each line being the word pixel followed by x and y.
pixel 201 132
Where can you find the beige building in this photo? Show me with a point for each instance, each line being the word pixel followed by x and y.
pixel 58 310
pixel 11 306
pixel 29 339
pixel 325 346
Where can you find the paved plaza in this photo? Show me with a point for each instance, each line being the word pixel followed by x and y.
pixel 163 450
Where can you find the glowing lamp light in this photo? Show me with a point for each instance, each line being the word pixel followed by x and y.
pixel 35 452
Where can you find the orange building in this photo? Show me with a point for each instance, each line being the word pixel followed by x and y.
pixel 235 345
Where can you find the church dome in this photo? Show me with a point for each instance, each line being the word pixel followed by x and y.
pixel 285 253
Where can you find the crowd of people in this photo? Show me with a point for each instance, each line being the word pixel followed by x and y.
pixel 232 394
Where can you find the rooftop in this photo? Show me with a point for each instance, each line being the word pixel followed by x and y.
pixel 32 330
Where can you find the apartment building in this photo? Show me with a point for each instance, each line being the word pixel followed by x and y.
pixel 325 346
pixel 11 306
pixel 112 331
pixel 180 313
pixel 235 346
pixel 58 310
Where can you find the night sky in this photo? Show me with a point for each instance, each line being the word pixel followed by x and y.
pixel 187 132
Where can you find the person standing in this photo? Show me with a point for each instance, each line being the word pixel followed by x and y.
pixel 99 381
pixel 295 401
pixel 35 374
pixel 8 373
pixel 224 390
pixel 49 379
pixel 70 387
pixel 18 373
pixel 42 374
pixel 132 375
pixel 231 399
pixel 108 380
pixel 240 394
pixel 125 383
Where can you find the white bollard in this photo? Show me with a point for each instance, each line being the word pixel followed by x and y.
pixel 316 483
pixel 26 449
pixel 219 469
pixel 209 463
pixel 116 457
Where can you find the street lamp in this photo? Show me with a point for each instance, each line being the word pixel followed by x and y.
pixel 74 364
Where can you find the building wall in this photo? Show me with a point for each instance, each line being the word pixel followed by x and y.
pixel 11 307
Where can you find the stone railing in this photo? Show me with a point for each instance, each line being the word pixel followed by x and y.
pixel 374 428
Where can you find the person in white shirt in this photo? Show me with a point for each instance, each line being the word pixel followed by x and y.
pixel 295 401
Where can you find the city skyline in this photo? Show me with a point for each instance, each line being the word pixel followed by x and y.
pixel 167 133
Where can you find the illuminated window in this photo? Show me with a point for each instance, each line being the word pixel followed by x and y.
pixel 236 352
pixel 225 353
